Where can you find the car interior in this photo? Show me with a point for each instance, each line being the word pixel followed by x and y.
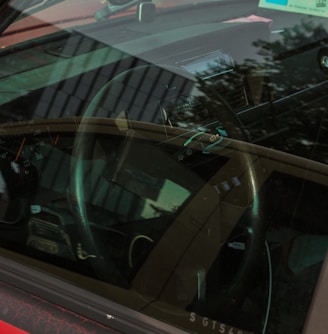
pixel 175 166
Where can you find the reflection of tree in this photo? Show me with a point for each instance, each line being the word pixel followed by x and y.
pixel 300 122
pixel 297 52
pixel 288 69
pixel 297 36
pixel 216 99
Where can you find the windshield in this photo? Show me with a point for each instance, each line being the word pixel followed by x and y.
pixel 169 157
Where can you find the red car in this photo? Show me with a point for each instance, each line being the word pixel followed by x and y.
pixel 163 167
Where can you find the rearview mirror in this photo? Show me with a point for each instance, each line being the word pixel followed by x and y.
pixel 146 12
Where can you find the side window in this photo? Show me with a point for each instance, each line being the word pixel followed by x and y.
pixel 174 222
pixel 100 209
pixel 251 288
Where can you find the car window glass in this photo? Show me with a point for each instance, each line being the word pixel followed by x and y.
pixel 173 161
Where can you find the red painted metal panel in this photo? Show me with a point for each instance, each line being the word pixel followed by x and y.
pixel 6 328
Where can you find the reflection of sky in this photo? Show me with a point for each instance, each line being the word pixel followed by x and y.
pixel 170 197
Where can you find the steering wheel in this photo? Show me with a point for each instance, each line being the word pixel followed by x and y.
pixel 141 94
pixel 137 94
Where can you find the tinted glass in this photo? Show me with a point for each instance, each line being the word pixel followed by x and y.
pixel 169 156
